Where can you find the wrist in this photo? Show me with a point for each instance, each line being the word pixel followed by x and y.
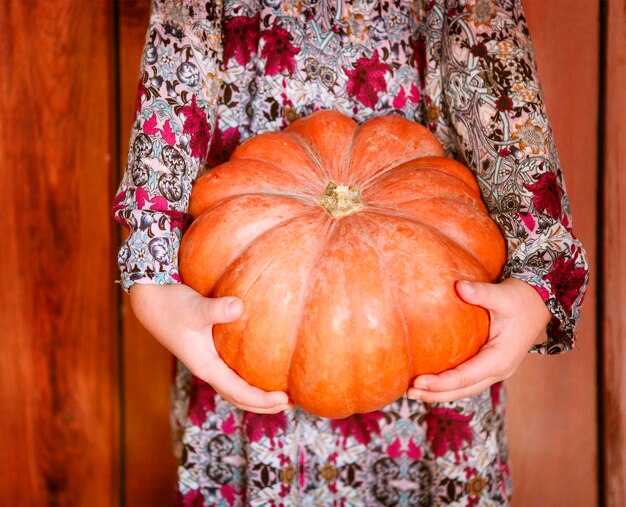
pixel 535 306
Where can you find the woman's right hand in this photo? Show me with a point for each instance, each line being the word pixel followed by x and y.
pixel 182 320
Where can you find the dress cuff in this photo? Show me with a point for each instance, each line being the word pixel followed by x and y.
pixel 561 329
pixel 149 254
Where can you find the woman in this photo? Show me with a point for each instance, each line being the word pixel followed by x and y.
pixel 215 74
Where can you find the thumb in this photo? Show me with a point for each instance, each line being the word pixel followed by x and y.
pixel 479 294
pixel 222 310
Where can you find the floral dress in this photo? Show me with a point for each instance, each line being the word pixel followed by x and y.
pixel 217 72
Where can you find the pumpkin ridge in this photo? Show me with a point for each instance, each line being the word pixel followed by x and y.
pixel 357 383
pixel 396 127
pixel 384 171
pixel 249 288
pixel 344 171
pixel 471 208
pixel 255 240
pixel 395 290
pixel 464 266
pixel 441 236
pixel 328 135
pixel 258 214
pixel 308 149
pixel 445 168
pixel 447 198
pixel 303 199
pixel 215 177
pixel 331 230
pixel 391 209
pixel 227 272
pixel 474 211
pixel 352 405
pixel 307 183
pixel 381 177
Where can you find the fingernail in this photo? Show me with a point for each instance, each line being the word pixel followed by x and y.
pixel 467 286
pixel 234 307
pixel 419 383
pixel 280 400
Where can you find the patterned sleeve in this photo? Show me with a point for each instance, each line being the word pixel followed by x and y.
pixel 174 116
pixel 483 100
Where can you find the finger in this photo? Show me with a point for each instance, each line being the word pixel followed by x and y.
pixel 258 410
pixel 490 362
pixel 448 396
pixel 487 295
pixel 238 391
pixel 221 310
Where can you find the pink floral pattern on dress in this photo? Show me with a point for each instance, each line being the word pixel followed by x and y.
pixel 278 51
pixel 197 127
pixel 361 427
pixel 367 80
pixel 448 430
pixel 193 498
pixel 222 145
pixel 263 426
pixel 241 38
pixel 201 401
pixel 217 73
pixel 567 280
pixel 546 195
pixel 141 93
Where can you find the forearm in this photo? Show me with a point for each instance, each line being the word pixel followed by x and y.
pixel 174 118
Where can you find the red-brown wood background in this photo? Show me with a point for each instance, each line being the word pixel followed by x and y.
pixel 553 423
pixel 59 361
pixel 84 390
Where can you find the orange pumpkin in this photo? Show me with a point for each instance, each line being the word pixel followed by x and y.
pixel 344 242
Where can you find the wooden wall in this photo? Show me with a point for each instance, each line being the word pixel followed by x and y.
pixel 613 244
pixel 84 390
pixel 59 387
pixel 553 418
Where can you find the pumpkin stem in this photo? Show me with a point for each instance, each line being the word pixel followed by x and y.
pixel 340 200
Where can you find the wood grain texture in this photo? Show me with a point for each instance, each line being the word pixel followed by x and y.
pixel 150 466
pixel 552 423
pixel 58 367
pixel 614 244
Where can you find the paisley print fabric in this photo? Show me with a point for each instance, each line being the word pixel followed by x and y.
pixel 216 73
pixel 409 454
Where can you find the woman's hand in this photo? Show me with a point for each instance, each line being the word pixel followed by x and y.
pixel 182 321
pixel 519 319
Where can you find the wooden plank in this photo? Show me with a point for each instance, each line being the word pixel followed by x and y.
pixel 614 241
pixel 150 466
pixel 552 424
pixel 58 366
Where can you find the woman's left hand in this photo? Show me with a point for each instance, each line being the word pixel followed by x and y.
pixel 519 319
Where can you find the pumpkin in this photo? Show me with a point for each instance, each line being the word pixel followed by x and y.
pixel 344 241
